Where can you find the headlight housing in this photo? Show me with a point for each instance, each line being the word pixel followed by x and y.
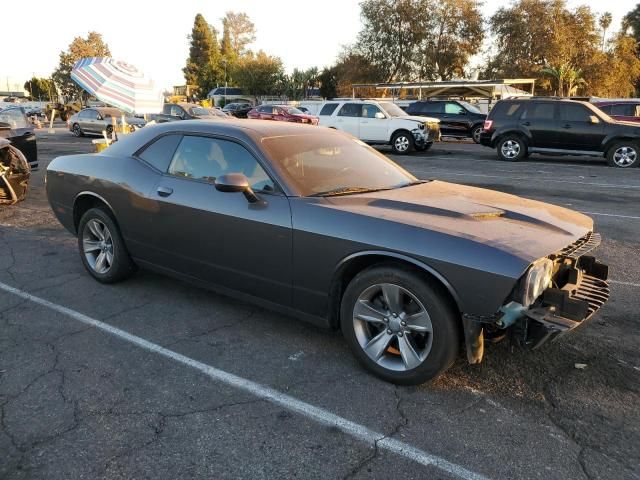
pixel 537 280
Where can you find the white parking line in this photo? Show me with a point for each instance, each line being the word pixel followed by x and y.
pixel 610 215
pixel 317 414
pixel 502 177
pixel 629 284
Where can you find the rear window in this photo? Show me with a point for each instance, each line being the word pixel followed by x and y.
pixel 350 110
pixel 540 111
pixel 510 110
pixel 575 113
pixel 328 108
pixel 625 110
pixel 160 152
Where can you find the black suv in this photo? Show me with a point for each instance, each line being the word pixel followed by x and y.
pixel 457 118
pixel 239 110
pixel 519 126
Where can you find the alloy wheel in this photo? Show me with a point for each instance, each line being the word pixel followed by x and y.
pixel 97 245
pixel 392 327
pixel 476 134
pixel 402 144
pixel 625 156
pixel 510 149
pixel 76 130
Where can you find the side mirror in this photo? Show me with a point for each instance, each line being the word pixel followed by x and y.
pixel 380 115
pixel 594 119
pixel 236 182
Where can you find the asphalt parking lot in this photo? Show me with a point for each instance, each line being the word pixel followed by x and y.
pixel 153 378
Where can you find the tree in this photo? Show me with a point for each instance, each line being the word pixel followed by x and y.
pixel 616 72
pixel 567 78
pixel 40 88
pixel 605 22
pixel 455 34
pixel 258 74
pixel 203 65
pixel 631 23
pixel 240 30
pixel 391 33
pixel 353 67
pixel 328 83
pixel 91 46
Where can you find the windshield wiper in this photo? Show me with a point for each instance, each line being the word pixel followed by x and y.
pixel 346 191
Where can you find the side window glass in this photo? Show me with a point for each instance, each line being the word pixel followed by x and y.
pixel 453 109
pixel 160 152
pixel 431 107
pixel 350 110
pixel 207 158
pixel 575 113
pixel 369 111
pixel 539 111
pixel 328 108
pixel 622 109
pixel 14 117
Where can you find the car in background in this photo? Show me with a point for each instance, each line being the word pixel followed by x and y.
pixel 15 127
pixel 283 113
pixel 620 110
pixel 14 174
pixel 457 118
pixel 186 111
pixel 381 123
pixel 314 223
pixel 93 121
pixel 238 110
pixel 517 127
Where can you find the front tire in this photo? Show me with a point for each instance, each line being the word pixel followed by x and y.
pixel 511 148
pixel 402 143
pixel 398 325
pixel 623 154
pixel 102 249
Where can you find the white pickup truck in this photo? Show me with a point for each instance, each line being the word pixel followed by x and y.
pixel 381 123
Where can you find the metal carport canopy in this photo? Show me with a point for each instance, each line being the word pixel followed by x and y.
pixel 462 88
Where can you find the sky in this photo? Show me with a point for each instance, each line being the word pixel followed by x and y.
pixel 153 34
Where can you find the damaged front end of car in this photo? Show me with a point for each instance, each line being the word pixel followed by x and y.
pixel 557 294
pixel 14 174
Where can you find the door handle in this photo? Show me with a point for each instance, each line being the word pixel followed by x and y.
pixel 526 124
pixel 567 126
pixel 165 191
pixel 364 121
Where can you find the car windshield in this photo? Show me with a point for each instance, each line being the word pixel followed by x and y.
pixel 470 108
pixel 329 163
pixel 199 111
pixel 392 109
pixel 293 111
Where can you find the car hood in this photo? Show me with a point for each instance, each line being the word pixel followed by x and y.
pixel 419 119
pixel 527 229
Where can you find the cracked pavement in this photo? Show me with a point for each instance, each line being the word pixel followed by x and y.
pixel 77 403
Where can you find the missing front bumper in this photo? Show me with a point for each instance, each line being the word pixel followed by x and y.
pixel 583 291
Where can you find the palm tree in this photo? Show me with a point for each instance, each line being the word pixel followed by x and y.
pixel 565 75
pixel 605 22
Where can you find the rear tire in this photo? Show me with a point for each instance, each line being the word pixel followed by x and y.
pixel 406 338
pixel 102 249
pixel 402 143
pixel 624 154
pixel 77 131
pixel 475 133
pixel 511 148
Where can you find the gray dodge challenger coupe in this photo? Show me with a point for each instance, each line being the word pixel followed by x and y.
pixel 313 223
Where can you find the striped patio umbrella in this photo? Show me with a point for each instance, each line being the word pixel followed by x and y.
pixel 118 84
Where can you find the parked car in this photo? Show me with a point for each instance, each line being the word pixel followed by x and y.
pixel 620 110
pixel 186 111
pixel 325 228
pixel 15 127
pixel 457 118
pixel 517 127
pixel 239 110
pixel 283 113
pixel 93 121
pixel 304 110
pixel 381 123
pixel 14 174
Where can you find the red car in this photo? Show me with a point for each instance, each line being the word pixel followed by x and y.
pixel 284 113
pixel 620 110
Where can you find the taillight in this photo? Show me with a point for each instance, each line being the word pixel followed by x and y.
pixel 487 125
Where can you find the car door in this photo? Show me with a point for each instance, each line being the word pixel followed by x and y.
pixel 373 124
pixel 348 118
pixel 540 121
pixel 21 132
pixel 577 130
pixel 454 120
pixel 86 118
pixel 266 112
pixel 220 237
